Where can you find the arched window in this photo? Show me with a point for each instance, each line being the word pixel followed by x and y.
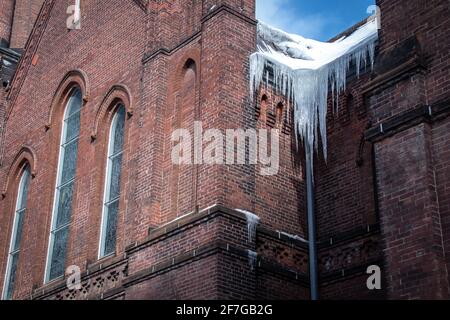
pixel 108 232
pixel 62 208
pixel 280 114
pixel 16 235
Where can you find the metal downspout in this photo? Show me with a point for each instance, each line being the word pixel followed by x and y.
pixel 312 232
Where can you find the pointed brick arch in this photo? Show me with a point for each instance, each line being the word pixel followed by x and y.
pixel 26 155
pixel 74 78
pixel 118 93
pixel 184 111
pixel 191 59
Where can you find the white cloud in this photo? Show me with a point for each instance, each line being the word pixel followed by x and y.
pixel 281 14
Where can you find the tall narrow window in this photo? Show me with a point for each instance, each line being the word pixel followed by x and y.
pixel 14 249
pixel 62 209
pixel 112 185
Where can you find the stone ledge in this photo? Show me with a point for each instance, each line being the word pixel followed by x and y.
pixel 349 236
pixel 228 9
pixel 270 266
pixel 327 278
pixel 104 264
pixel 168 52
pixel 280 237
pixel 97 268
pixel 407 120
pixel 217 247
pixel 183 259
pixel 189 221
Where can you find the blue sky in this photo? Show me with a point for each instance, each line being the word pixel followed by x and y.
pixel 317 19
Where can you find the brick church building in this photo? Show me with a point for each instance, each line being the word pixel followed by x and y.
pixel 87 181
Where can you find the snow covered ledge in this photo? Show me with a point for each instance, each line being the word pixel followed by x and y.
pixel 304 70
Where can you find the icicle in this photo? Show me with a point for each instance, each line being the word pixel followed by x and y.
pixel 292 236
pixel 252 223
pixel 252 259
pixel 304 71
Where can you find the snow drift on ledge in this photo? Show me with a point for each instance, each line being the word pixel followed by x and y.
pixel 304 71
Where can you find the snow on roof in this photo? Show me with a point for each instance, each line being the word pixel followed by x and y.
pixel 304 70
pixel 298 52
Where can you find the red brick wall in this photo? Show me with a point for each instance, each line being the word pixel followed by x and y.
pixel 410 216
pixel 227 41
pixel 344 183
pixel 410 164
pixel 2 110
pixel 200 256
pixel 25 13
pixel 6 18
pixel 174 75
pixel 184 61
pixel 350 288
pixel 109 50
pixel 441 151
pixel 186 283
pixel 280 198
pixel 272 287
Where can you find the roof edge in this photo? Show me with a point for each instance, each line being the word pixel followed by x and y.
pixel 349 31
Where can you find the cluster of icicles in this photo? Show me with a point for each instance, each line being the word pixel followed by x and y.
pixel 304 71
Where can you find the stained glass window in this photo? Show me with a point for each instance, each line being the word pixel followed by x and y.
pixel 112 185
pixel 13 256
pixel 62 210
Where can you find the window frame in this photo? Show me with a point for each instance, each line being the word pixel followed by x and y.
pixel 106 201
pixel 20 196
pixel 59 176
